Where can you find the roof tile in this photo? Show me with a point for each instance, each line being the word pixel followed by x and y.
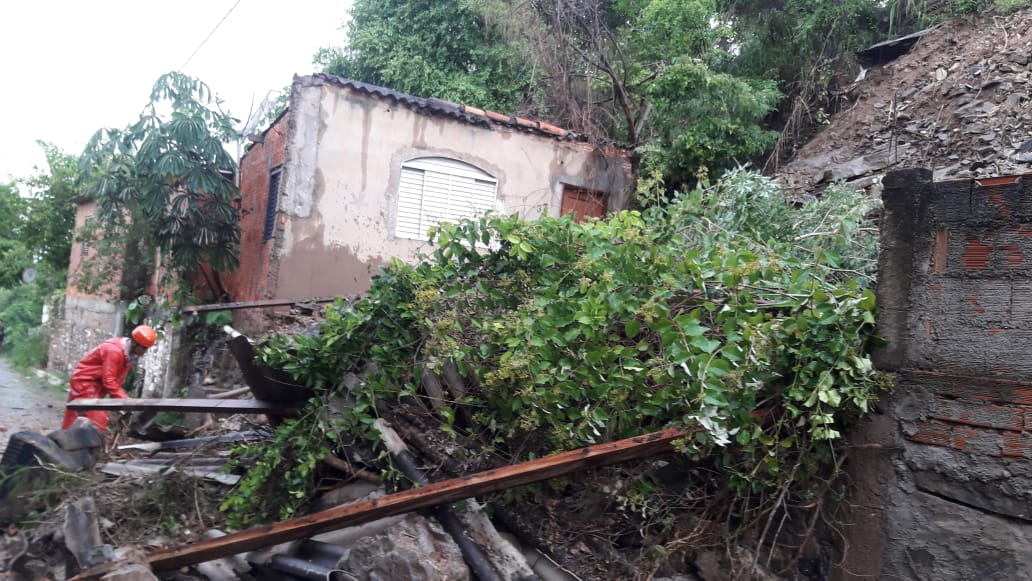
pixel 429 106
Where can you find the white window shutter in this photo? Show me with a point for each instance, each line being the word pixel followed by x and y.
pixel 435 189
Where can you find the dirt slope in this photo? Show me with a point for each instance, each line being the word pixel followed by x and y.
pixel 959 102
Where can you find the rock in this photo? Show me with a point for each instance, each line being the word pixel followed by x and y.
pixel 503 553
pixel 131 572
pixel 224 569
pixel 82 533
pixel 1018 57
pixel 415 548
pixel 347 493
pixel 714 566
pixel 708 565
pixel 12 548
pixel 131 567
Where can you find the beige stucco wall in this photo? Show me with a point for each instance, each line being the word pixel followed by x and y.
pixel 340 181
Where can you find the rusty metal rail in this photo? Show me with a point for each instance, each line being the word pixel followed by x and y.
pixel 213 406
pixel 431 495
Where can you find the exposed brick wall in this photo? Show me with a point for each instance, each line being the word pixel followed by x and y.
pixel 85 210
pixel 250 280
pixel 955 293
pixel 87 318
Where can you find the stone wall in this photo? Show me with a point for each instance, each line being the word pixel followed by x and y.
pixel 85 323
pixel 944 474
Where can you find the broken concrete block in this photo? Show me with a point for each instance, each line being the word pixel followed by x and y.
pixel 81 532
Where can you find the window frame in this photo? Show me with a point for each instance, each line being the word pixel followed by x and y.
pixel 271 203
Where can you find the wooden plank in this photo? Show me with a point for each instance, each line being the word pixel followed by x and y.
pixel 214 406
pixel 254 304
pixel 434 494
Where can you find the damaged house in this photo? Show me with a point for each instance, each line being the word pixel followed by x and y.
pixel 352 175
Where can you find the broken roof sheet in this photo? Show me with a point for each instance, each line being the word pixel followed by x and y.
pixel 439 107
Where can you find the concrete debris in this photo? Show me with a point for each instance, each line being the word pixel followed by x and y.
pixel 82 534
pixel 12 547
pixel 140 469
pixel 415 548
pixel 131 566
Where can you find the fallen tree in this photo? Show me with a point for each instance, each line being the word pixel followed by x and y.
pixel 724 308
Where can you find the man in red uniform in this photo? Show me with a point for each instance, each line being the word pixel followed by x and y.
pixel 102 372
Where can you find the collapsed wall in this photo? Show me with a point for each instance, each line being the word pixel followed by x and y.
pixel 949 484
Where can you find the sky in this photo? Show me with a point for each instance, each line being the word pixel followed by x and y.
pixel 71 67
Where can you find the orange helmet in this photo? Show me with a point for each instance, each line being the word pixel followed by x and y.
pixel 145 336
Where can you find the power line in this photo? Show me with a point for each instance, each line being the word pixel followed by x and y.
pixel 209 35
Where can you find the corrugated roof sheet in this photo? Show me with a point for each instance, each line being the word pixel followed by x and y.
pixel 435 107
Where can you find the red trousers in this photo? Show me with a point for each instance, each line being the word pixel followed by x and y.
pixel 86 390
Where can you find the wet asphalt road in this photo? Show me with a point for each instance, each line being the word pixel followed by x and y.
pixel 27 403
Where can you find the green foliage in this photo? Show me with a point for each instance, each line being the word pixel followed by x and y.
pixel 21 309
pixel 283 473
pixel 637 71
pixel 218 319
pixel 969 6
pixel 704 119
pixel 160 185
pixel 972 7
pixel 431 48
pixel 29 349
pixel 14 254
pixel 784 40
pixel 50 218
pixel 136 311
pixel 1009 6
pixel 695 313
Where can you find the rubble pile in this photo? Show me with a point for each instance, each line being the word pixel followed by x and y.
pixel 959 102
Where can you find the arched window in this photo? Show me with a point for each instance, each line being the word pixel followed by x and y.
pixel 436 189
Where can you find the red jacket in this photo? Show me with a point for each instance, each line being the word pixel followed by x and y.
pixel 100 373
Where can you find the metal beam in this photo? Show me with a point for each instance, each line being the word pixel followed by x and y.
pixel 214 406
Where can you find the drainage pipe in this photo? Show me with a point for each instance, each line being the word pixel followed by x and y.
pixel 473 554
pixel 305 569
